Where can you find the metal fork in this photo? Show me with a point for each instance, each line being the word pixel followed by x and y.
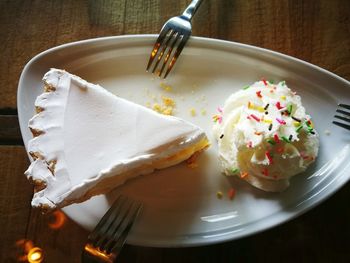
pixel 174 34
pixel 344 117
pixel 107 239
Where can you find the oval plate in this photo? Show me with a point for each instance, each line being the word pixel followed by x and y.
pixel 180 204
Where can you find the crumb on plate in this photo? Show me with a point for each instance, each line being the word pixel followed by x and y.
pixel 167 106
pixel 327 132
pixel 166 87
pixel 219 194
pixel 193 112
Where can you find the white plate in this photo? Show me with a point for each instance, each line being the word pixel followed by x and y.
pixel 180 204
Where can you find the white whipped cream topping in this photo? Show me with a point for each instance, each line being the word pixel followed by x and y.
pixel 264 135
pixel 92 134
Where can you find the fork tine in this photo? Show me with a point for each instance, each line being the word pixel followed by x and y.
pixel 343 112
pixel 180 24
pixel 107 239
pixel 344 106
pixel 163 33
pixel 343 125
pixel 116 218
pixel 118 246
pixel 342 118
pixel 177 54
pixel 106 220
pixel 119 236
pixel 167 56
pixel 164 46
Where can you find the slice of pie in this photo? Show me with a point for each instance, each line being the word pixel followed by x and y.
pixel 88 141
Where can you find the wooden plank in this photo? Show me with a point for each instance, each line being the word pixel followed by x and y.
pixel 305 29
pixel 63 244
pixel 18 221
pixel 308 30
pixel 15 196
pixel 10 133
pixel 30 27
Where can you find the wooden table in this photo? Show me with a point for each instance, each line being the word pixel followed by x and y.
pixel 315 31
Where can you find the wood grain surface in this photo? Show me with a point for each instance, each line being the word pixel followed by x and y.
pixel 317 31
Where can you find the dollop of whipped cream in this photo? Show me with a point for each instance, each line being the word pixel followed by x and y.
pixel 264 135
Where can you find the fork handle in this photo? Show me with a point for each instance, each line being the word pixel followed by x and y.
pixel 191 9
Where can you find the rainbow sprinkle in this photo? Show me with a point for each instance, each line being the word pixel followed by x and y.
pixel 269 157
pixel 309 123
pixel 261 109
pixel 299 128
pixel 279 106
pixel 255 117
pixel 310 130
pixel 258 93
pixel 234 170
pixel 284 138
pixel 270 141
pixel 264 81
pixel 244 175
pixel 296 119
pixel 231 193
pixel 217 118
pixel 265 172
pixel 280 121
pixel 275 137
pixel 252 106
